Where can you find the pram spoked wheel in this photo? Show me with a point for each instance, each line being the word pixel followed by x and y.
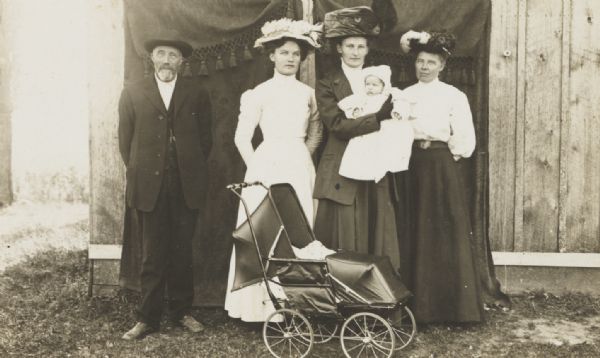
pixel 324 332
pixel 287 333
pixel 369 334
pixel 404 325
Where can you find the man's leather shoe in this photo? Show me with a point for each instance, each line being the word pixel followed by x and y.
pixel 190 323
pixel 139 331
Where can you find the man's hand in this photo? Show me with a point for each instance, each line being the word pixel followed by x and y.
pixel 385 112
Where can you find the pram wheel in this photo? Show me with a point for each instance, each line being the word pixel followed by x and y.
pixel 367 333
pixel 287 333
pixel 404 325
pixel 324 331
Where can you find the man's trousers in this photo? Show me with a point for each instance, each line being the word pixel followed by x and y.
pixel 167 253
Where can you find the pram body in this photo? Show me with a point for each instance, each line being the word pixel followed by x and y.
pixel 360 292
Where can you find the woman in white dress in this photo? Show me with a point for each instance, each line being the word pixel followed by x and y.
pixel 286 111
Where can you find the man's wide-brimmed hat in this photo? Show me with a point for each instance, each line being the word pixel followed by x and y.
pixel 441 43
pixel 352 21
pixel 287 28
pixel 184 47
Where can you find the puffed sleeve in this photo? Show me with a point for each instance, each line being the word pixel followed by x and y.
pixel 250 112
pixel 462 137
pixel 314 132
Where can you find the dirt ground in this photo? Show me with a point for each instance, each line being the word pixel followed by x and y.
pixel 45 312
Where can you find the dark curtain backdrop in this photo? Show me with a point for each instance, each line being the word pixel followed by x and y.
pixel 222 33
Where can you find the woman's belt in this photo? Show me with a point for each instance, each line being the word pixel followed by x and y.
pixel 429 144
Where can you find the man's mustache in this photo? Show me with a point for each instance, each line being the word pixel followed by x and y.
pixel 166 67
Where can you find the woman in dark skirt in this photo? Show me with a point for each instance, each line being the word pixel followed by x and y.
pixel 442 273
pixel 352 215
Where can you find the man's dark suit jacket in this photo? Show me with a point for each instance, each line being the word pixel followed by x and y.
pixel 143 140
pixel 329 184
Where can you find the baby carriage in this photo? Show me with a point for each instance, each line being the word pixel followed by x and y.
pixel 313 298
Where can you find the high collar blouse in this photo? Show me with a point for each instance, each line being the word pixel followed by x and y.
pixel 442 113
pixel 356 78
pixel 284 108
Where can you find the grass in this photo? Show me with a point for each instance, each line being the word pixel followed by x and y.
pixel 45 312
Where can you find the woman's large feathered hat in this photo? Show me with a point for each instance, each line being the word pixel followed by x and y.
pixel 441 43
pixel 351 21
pixel 287 28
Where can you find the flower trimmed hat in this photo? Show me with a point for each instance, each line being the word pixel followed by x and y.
pixel 287 28
pixel 352 21
pixel 441 43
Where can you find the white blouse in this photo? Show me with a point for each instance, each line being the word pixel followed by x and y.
pixel 441 112
pixel 284 108
pixel 355 77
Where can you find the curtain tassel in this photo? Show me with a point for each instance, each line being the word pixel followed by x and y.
pixel 203 71
pixel 232 58
pixel 447 75
pixel 247 54
pixel 187 69
pixel 219 63
pixel 402 75
pixel 472 77
pixel 464 76
pixel 147 67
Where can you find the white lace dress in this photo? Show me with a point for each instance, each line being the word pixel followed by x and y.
pixel 286 111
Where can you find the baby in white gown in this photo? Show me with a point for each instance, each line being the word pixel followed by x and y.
pixel 371 156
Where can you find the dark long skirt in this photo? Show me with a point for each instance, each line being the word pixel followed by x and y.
pixel 442 273
pixel 366 226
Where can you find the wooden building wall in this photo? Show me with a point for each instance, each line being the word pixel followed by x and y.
pixel 106 53
pixel 544 126
pixel 544 141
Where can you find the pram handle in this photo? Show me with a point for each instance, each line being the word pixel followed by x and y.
pixel 237 186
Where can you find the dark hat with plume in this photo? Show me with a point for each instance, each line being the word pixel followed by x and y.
pixel 441 43
pixel 351 21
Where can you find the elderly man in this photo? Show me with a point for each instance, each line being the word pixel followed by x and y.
pixel 164 140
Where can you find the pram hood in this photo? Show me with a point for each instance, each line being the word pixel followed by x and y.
pixel 278 223
pixel 370 276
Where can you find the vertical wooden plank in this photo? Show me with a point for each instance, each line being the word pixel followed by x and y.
pixel 520 125
pixel 564 120
pixel 502 123
pixel 106 72
pixel 581 207
pixel 542 125
pixel 6 196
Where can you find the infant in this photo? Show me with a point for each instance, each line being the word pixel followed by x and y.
pixel 371 156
